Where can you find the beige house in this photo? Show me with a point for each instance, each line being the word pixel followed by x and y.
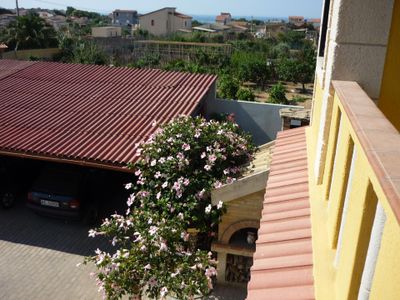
pixel 107 31
pixel 224 18
pixel 296 20
pixel 165 21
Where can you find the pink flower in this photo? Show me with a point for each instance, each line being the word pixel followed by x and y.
pixel 180 216
pixel 161 160
pixel 157 175
pixel 230 180
pixel 152 282
pixel 203 155
pixel 210 272
pixel 208 209
pixel 163 246
pixel 212 158
pixel 163 291
pixel 158 196
pixel 138 239
pixel 153 230
pixel 164 185
pixel 185 236
pixel 138 172
pixel 131 199
pixel 153 162
pixel 144 194
pixel 176 186
pixel 217 184
pixel 128 186
pixel 147 267
pixel 143 248
pixel 220 204
pixel 186 182
pixel 207 167
pixel 200 194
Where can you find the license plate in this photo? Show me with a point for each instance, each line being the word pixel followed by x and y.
pixel 49 203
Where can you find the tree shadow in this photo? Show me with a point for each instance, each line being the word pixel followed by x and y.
pixel 20 225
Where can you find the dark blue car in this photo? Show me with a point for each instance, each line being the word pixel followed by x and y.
pixel 64 191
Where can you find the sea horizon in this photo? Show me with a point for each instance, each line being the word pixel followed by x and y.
pixel 211 18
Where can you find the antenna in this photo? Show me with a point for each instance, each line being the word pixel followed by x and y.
pixel 16 4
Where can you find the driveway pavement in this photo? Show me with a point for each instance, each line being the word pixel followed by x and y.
pixel 38 257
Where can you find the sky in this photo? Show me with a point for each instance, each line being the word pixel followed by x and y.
pixel 263 8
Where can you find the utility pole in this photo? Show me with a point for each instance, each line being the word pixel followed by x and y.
pixel 16 4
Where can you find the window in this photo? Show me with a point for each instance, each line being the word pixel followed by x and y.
pixel 185 24
pixel 324 28
pixel 152 22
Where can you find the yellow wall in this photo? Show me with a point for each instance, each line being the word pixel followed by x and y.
pixel 342 280
pixel 389 101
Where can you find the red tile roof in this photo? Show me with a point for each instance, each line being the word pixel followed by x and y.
pixel 183 16
pixel 282 267
pixel 221 18
pixel 89 114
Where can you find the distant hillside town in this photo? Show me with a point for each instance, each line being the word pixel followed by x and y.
pixel 162 22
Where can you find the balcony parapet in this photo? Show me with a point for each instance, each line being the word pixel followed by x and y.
pixel 379 139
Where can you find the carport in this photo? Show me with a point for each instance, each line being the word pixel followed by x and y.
pixel 92 116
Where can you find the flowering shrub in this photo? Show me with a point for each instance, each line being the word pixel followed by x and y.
pixel 183 162
pixel 178 167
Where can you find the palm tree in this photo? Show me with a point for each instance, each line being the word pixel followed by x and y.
pixel 29 32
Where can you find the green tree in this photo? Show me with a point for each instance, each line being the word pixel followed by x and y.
pixel 245 94
pixel 148 61
pixel 228 87
pixel 29 32
pixel 277 94
pixel 281 50
pixel 196 23
pixel 86 52
pixel 299 69
pixel 250 66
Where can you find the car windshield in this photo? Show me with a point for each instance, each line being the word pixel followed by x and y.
pixel 58 181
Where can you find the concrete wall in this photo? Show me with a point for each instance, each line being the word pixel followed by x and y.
pixel 106 31
pixel 26 54
pixel 181 23
pixel 260 119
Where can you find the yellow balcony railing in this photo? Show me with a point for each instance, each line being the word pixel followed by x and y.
pixel 356 205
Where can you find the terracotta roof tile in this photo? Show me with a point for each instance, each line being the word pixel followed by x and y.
pixel 283 259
